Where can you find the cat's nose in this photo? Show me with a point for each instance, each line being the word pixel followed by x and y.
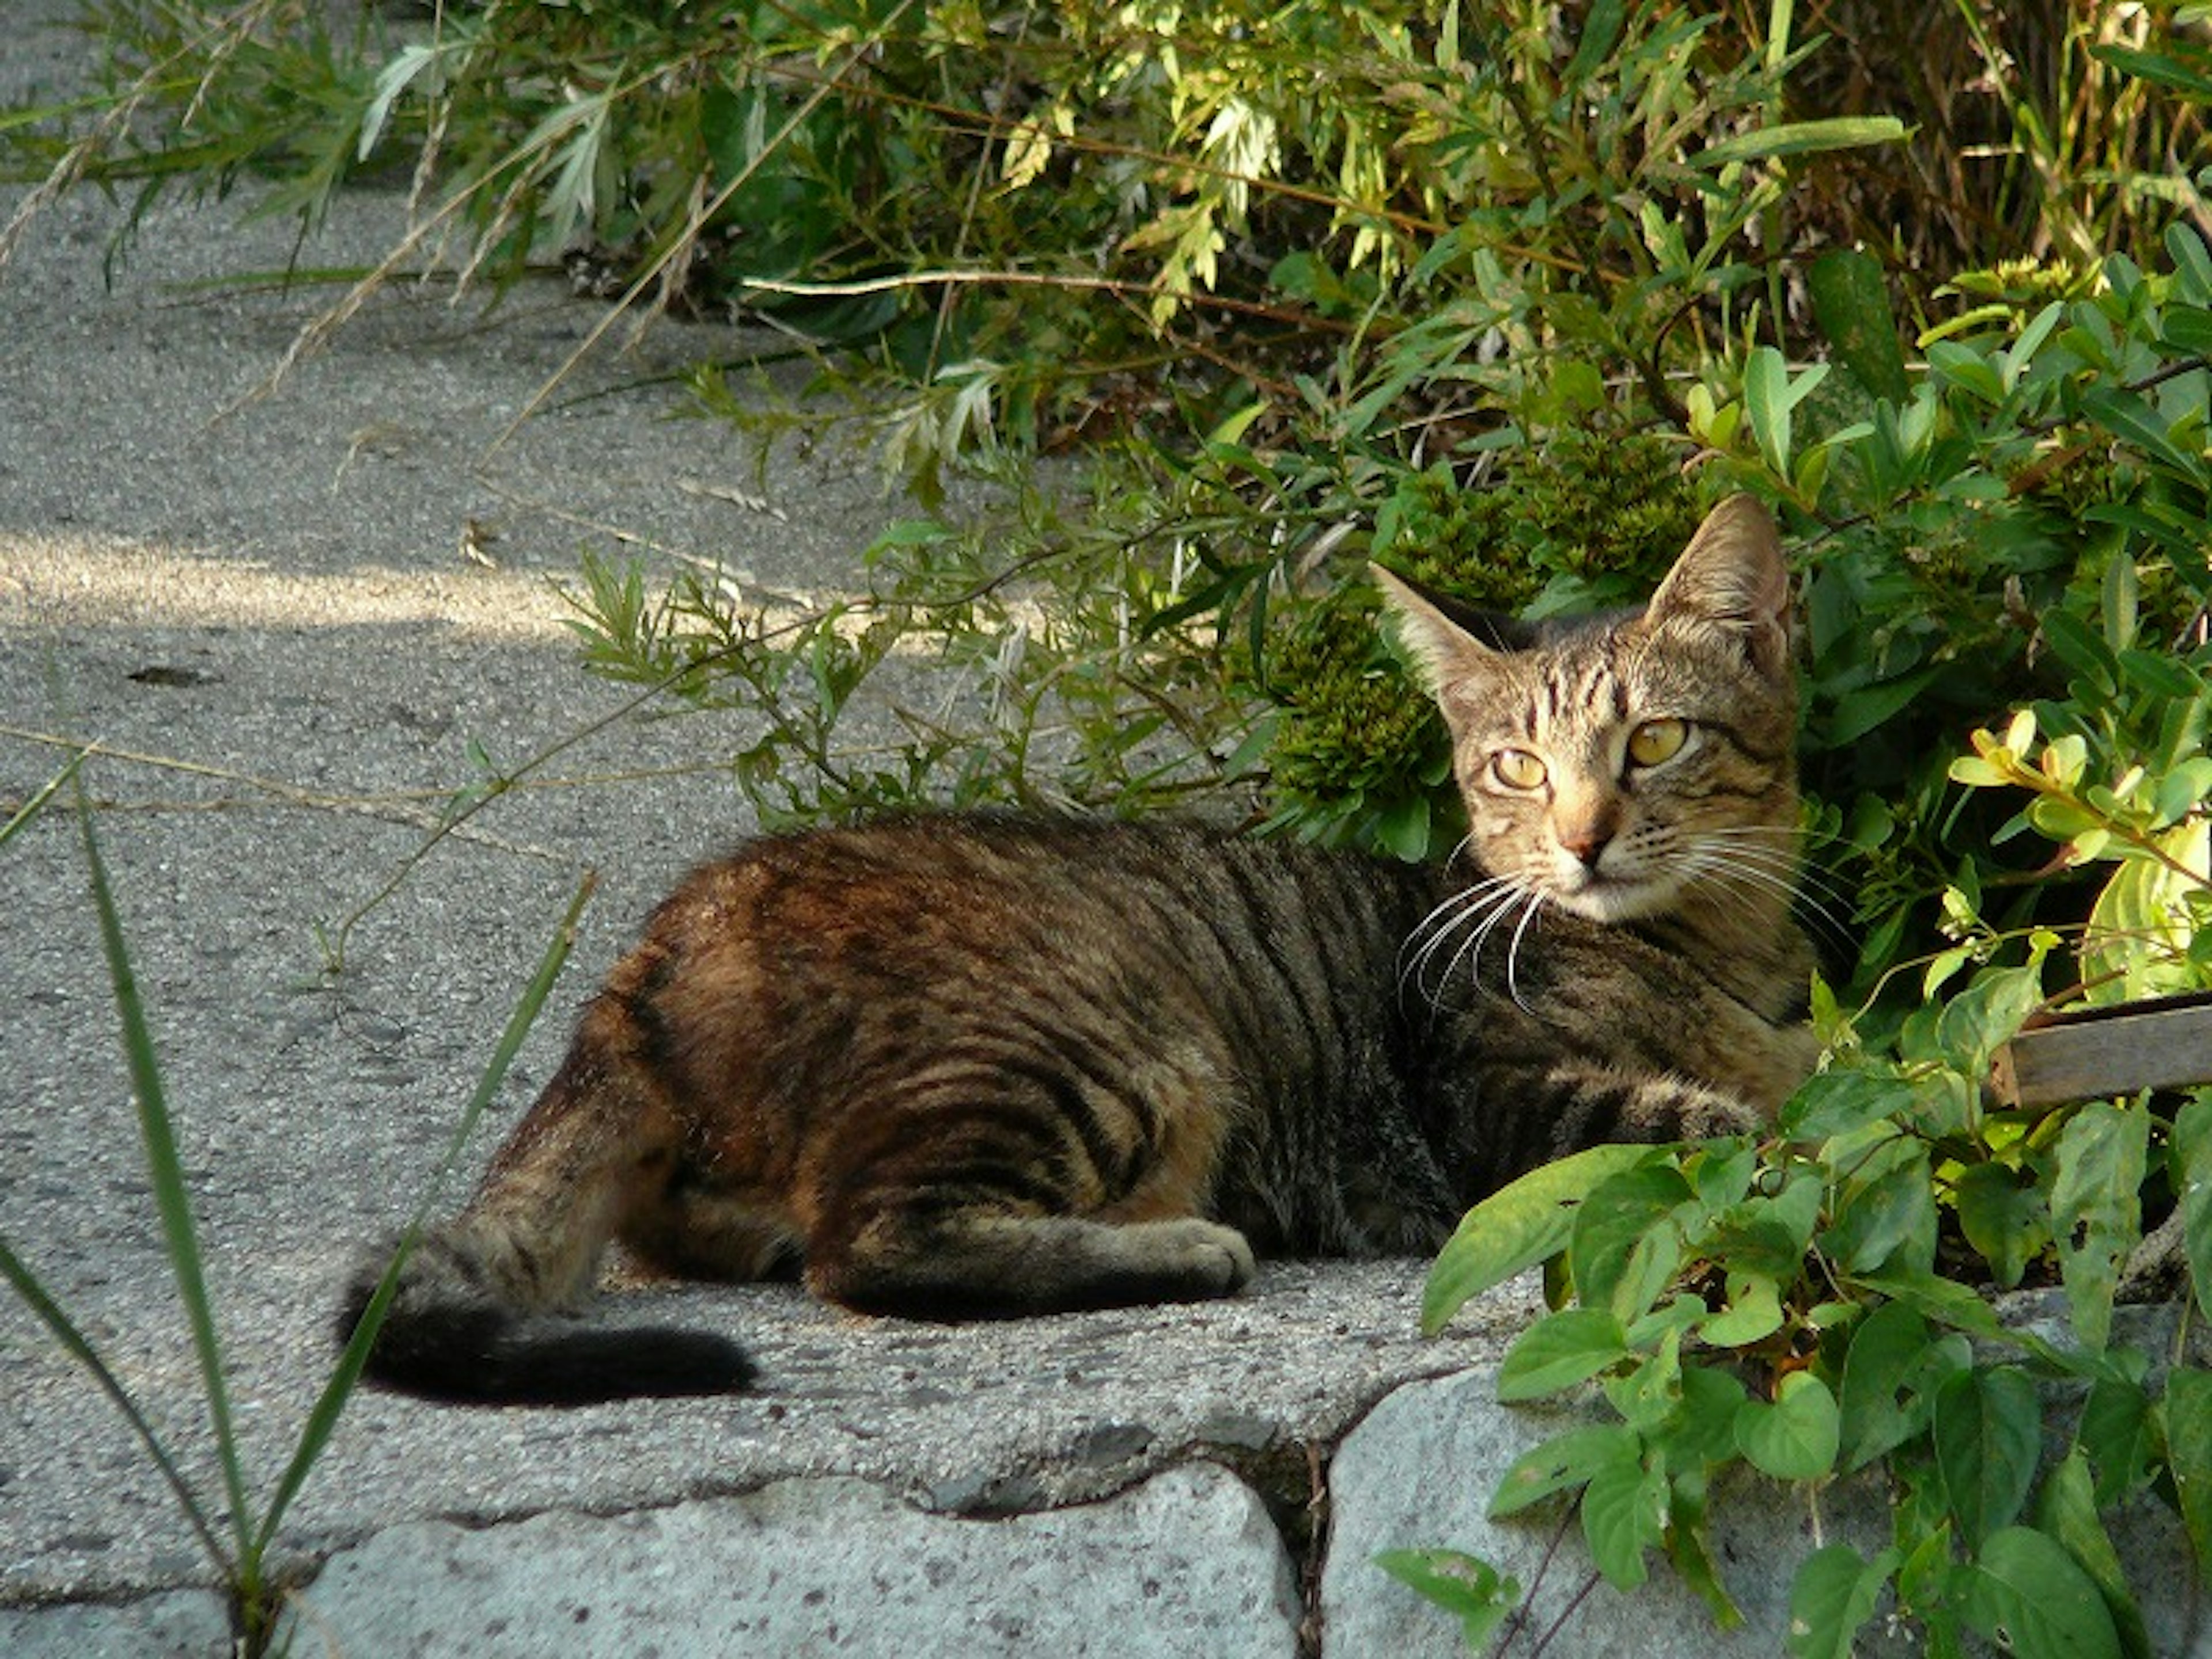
pixel 1587 842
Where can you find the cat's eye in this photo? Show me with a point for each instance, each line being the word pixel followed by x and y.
pixel 1516 769
pixel 1657 740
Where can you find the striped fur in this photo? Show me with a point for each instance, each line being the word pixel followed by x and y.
pixel 966 1067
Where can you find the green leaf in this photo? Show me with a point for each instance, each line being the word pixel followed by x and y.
pixel 1986 1015
pixel 1560 1351
pixel 1624 1515
pixel 1705 1433
pixel 1800 138
pixel 2069 1513
pixel 1833 1596
pixel 1850 302
pixel 323 1416
pixel 1768 397
pixel 1989 1432
pixel 2025 1592
pixel 1795 1438
pixel 1885 1346
pixel 2188 1418
pixel 1970 370
pixel 1468 1589
pixel 1601 29
pixel 2096 1209
pixel 1843 1102
pixel 165 1171
pixel 2005 1216
pixel 2190 1155
pixel 2120 1433
pixel 1565 1459
pixel 1859 712
pixel 2129 418
pixel 1689 1547
pixel 1517 1227
pixel 1753 1311
pixel 1888 1214
pixel 1626 1243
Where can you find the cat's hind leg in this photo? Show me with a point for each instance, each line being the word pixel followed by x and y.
pixel 463 1323
pixel 970 1265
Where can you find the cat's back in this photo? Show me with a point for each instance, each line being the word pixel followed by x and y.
pixel 907 894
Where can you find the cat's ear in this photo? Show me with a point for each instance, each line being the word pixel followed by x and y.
pixel 1732 576
pixel 1448 638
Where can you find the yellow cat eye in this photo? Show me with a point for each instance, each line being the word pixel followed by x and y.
pixel 1516 769
pixel 1657 740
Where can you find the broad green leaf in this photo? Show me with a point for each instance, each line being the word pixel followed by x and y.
pixel 2027 1593
pixel 1650 1395
pixel 1624 1511
pixel 1850 302
pixel 2192 263
pixel 1753 1311
pixel 1986 1015
pixel 1626 1243
pixel 1831 1597
pixel 2190 1155
pixel 1989 1431
pixel 1689 1547
pixel 2118 1430
pixel 1517 1227
pixel 1560 1351
pixel 2096 1209
pixel 2005 1216
pixel 1859 712
pixel 2188 1418
pixel 1887 1216
pixel 1886 1345
pixel 1470 1589
pixel 1795 1438
pixel 2069 1513
pixel 1843 1102
pixel 1705 1433
pixel 1564 1461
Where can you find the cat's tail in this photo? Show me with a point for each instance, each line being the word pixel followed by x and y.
pixel 449 1334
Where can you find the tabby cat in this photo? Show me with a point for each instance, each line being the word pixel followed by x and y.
pixel 973 1067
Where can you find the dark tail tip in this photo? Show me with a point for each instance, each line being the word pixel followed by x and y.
pixel 480 1354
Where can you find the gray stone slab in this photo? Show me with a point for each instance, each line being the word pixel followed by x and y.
pixel 176 1624
pixel 1187 1563
pixel 1420 1471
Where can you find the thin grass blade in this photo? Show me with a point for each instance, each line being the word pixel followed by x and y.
pixel 30 808
pixel 79 1348
pixel 165 1171
pixel 345 1376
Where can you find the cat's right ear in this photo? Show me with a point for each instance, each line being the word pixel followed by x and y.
pixel 1450 641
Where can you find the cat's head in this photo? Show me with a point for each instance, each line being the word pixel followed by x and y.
pixel 1612 765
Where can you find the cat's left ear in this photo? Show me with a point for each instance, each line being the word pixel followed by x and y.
pixel 1732 576
pixel 1452 643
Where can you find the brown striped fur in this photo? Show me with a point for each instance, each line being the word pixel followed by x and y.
pixel 966 1067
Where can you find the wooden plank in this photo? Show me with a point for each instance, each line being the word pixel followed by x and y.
pixel 2163 1044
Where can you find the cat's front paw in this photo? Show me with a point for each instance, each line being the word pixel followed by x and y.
pixel 1211 1259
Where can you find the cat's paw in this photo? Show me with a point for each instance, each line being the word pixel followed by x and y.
pixel 1211 1259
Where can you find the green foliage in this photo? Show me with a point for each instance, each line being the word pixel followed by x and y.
pixel 238 1531
pixel 1802 1303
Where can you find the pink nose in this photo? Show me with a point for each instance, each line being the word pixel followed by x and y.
pixel 1587 842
